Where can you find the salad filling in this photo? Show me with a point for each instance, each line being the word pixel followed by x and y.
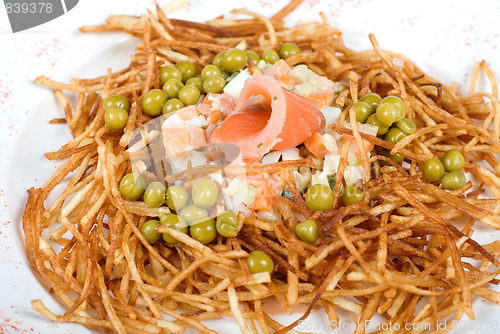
pixel 270 113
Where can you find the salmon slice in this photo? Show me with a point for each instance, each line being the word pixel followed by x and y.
pixel 268 117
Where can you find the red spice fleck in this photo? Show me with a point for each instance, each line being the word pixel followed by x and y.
pixel 52 50
pixel 9 325
pixel 264 4
pixel 4 93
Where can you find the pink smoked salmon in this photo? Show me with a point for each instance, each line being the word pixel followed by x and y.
pixel 268 117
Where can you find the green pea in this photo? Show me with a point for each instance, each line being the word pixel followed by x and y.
pixel 176 222
pixel 453 180
pixel 214 84
pixel 258 262
pixel 192 212
pixel 164 216
pixel 433 169
pixel 205 193
pixel 288 49
pixel 453 160
pixel 203 229
pixel 189 95
pixel 394 135
pixel 407 126
pixel 132 186
pixel 391 109
pixel 209 70
pixel 352 194
pixel 253 56
pixel 227 223
pixel 234 60
pixel 307 231
pixel 385 114
pixel 187 69
pixel 373 120
pixel 172 87
pixel 319 197
pixel 372 99
pixel 169 72
pixel 154 196
pixel 149 231
pixel 270 56
pixel 339 88
pixel 176 197
pixel 196 82
pixel 363 110
pixel 397 158
pixel 116 101
pixel 217 61
pixel 171 106
pixel 115 118
pixel 153 101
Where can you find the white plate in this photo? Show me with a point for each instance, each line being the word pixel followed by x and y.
pixel 444 38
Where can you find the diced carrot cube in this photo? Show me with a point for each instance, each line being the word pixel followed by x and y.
pixel 204 108
pixel 197 137
pixel 267 189
pixel 286 80
pixel 174 147
pixel 188 112
pixel 180 133
pixel 281 67
pixel 315 146
pixel 214 117
pixel 320 98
